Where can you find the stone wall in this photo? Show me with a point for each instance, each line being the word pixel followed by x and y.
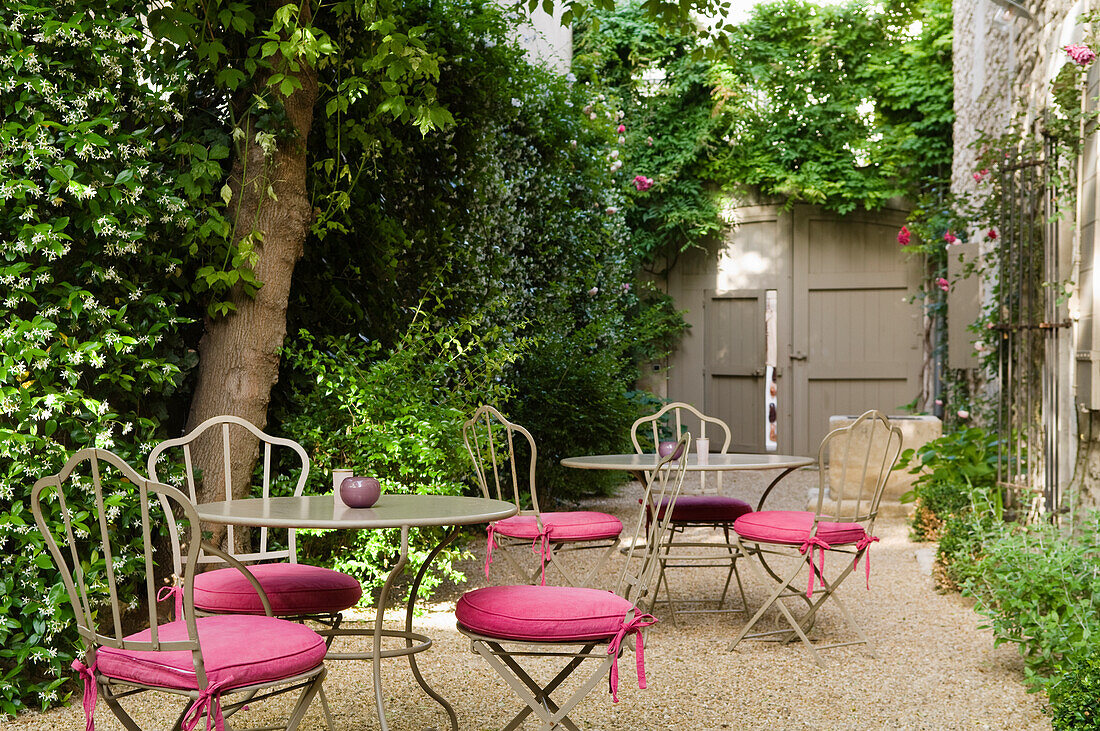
pixel 1006 55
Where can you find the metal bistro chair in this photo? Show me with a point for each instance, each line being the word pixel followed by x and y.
pixel 708 508
pixel 199 658
pixel 574 623
pixel 860 457
pixel 502 473
pixel 297 591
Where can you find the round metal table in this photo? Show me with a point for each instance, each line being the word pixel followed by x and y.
pixel 639 464
pixel 391 511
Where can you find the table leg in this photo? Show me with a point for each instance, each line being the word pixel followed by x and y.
pixel 380 611
pixel 450 537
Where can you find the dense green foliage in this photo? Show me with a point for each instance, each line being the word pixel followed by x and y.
pixel 93 228
pixel 846 106
pixel 1073 696
pixel 950 471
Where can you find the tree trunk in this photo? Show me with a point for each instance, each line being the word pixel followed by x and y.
pixel 238 353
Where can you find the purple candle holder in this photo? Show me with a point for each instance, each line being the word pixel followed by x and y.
pixel 360 492
pixel 666 448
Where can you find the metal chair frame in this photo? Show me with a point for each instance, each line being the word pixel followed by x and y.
pixel 857 501
pixel 678 551
pixel 95 635
pixel 330 622
pixel 634 584
pixel 491 440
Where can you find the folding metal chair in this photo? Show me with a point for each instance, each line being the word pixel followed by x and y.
pixel 509 622
pixel 103 513
pixel 504 457
pixel 708 508
pixel 297 591
pixel 860 456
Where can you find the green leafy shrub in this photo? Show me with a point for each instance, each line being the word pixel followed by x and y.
pixel 1039 587
pixel 395 415
pixel 1074 696
pixel 954 473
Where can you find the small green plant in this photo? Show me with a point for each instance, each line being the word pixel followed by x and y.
pixel 956 472
pixel 1038 585
pixel 1073 697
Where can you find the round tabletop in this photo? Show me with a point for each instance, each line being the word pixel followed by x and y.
pixel 714 463
pixel 391 511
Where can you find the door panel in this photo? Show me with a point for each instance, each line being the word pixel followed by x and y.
pixel 734 378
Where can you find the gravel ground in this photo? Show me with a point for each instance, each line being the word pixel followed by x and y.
pixel 935 669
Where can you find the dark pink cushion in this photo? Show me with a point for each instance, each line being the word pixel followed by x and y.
pixel 792 527
pixel 542 613
pixel 237 650
pixel 706 509
pixel 292 589
pixel 578 525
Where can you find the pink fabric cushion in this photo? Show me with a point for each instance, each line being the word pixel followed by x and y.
pixel 578 525
pixel 292 589
pixel 237 650
pixel 706 509
pixel 792 527
pixel 542 613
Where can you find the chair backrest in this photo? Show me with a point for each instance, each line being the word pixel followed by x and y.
pixel 670 422
pixel 860 458
pixel 220 426
pixel 504 456
pixel 663 487
pixel 97 518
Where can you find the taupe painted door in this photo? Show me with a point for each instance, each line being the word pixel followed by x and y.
pixel 736 351
pixel 856 337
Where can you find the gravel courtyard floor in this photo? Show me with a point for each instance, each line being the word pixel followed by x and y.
pixel 935 669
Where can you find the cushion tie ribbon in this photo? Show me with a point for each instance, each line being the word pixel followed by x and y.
pixel 541 546
pixel 491 545
pixel 811 543
pixel 865 543
pixel 631 625
pixel 208 705
pixel 90 691
pixel 176 591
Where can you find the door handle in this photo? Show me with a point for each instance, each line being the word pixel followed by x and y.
pixel 798 355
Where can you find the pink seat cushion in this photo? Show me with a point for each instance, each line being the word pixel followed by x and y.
pixel 792 527
pixel 292 589
pixel 542 613
pixel 706 509
pixel 578 525
pixel 237 650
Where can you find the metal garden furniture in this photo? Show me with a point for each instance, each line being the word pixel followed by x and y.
pixel 861 457
pixel 504 456
pixel 392 511
pixel 708 508
pixel 97 516
pixel 298 591
pixel 576 624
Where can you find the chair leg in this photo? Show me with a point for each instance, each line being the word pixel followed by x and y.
pixel 776 600
pixel 537 697
pixel 306 697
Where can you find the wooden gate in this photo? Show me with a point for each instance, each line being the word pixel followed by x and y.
pixel 856 335
pixel 847 335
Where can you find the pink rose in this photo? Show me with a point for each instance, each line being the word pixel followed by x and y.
pixel 939 402
pixel 593 292
pixel 611 210
pixel 943 284
pixel 1080 54
pixel 903 236
pixel 626 288
pixel 949 238
pixel 964 414
pixel 649 141
pixel 643 183
pixel 991 234
pixel 978 177
pixel 621 128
